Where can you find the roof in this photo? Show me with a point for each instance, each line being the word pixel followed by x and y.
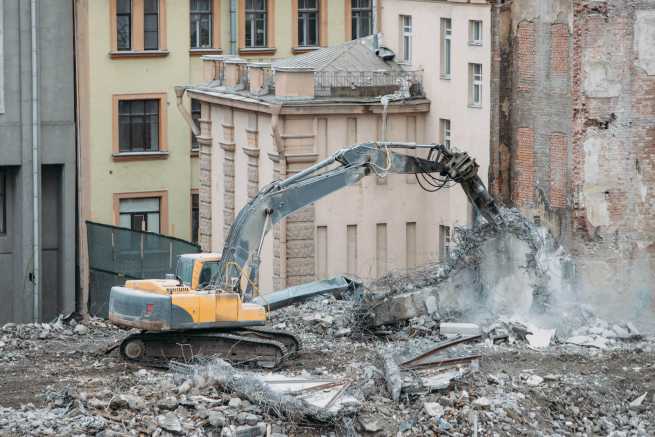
pixel 356 55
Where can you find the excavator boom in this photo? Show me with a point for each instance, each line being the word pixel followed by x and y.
pixel 345 167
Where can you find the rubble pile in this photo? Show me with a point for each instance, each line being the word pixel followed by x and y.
pixel 415 357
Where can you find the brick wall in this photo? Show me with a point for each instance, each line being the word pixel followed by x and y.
pixel 523 179
pixel 558 165
pixel 526 55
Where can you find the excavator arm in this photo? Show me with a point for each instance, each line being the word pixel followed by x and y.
pixel 441 167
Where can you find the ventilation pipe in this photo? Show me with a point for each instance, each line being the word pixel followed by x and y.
pixel 36 255
pixel 233 27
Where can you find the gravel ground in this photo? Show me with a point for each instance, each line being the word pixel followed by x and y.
pixel 56 380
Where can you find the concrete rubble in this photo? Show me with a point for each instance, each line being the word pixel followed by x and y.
pixel 442 371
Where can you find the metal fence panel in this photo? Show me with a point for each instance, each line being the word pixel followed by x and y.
pixel 117 254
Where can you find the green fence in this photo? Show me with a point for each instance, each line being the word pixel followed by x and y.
pixel 117 254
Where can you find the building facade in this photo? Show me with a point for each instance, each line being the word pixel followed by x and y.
pixel 451 42
pixel 37 160
pixel 261 122
pixel 138 158
pixel 573 138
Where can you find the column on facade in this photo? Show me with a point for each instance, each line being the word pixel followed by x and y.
pixel 228 146
pixel 278 281
pixel 205 194
pixel 299 242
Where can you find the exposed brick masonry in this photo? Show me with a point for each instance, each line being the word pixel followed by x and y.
pixel 559 48
pixel 558 165
pixel 526 53
pixel 523 180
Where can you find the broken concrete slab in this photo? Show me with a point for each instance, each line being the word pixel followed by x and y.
pixel 595 341
pixel 540 338
pixel 464 329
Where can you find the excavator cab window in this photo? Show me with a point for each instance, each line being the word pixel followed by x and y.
pixel 209 269
pixel 184 270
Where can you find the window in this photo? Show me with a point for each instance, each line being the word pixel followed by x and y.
pixel 475 32
pixel 475 84
pixel 151 24
pixel 362 18
pixel 195 216
pixel 308 23
pixel 444 132
pixel 351 249
pixel 446 47
pixel 140 214
pixel 138 127
pixel 124 24
pixel 444 242
pixel 3 201
pixel 255 23
pixel 201 24
pixel 406 38
pixel 195 115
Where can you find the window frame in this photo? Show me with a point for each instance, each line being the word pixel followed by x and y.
pixel 303 15
pixel 137 31
pixel 163 206
pixel 253 15
pixel 446 44
pixel 445 132
pixel 445 242
pixel 356 13
pixel 215 30
pixel 163 131
pixel 129 15
pixel 209 14
pixel 406 38
pixel 472 29
pixel 196 115
pixel 195 193
pixel 473 83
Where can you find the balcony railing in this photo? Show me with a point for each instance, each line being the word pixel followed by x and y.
pixel 368 83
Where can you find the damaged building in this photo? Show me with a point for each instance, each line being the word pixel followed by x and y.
pixel 573 136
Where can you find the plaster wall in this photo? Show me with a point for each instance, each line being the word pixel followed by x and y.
pixel 470 126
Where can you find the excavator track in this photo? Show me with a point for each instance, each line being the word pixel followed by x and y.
pixel 291 341
pixel 157 349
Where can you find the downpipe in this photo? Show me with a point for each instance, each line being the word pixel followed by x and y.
pixel 233 27
pixel 179 94
pixel 36 248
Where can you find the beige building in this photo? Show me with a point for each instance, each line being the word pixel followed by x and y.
pixel 139 160
pixel 261 122
pixel 451 41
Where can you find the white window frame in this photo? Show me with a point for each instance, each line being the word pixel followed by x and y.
pixel 405 22
pixel 445 132
pixel 446 48
pixel 475 83
pixel 304 15
pixel 475 26
pixel 252 16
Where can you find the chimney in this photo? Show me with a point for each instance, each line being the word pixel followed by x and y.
pixel 258 72
pixel 294 82
pixel 234 71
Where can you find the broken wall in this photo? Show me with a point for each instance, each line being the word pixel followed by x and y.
pixel 573 138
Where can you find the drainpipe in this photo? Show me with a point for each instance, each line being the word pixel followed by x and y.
pixel 233 27
pixel 374 5
pixel 35 168
pixel 179 93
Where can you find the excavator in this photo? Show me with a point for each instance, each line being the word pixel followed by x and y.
pixel 208 310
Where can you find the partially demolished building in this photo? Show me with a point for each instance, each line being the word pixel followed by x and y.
pixel 572 144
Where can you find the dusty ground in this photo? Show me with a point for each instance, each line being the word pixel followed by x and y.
pixel 65 385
